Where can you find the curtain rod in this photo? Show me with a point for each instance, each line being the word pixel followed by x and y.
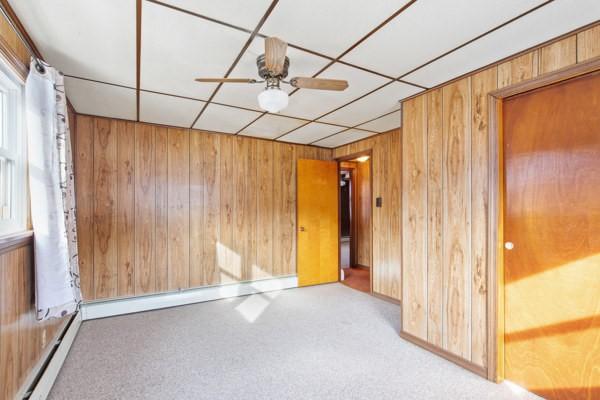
pixel 39 63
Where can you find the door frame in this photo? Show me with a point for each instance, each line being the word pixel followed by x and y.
pixel 495 303
pixel 368 152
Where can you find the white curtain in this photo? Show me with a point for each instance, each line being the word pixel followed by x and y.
pixel 52 194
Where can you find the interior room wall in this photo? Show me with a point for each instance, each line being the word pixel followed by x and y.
pixel 445 205
pixel 24 342
pixel 163 209
pixel 386 178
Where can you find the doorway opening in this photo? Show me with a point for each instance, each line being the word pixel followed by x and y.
pixel 355 222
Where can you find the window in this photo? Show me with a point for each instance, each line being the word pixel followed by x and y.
pixel 12 154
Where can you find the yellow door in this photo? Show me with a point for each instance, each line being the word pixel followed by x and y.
pixel 318 229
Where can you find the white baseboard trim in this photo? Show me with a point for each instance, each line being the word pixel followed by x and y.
pixel 109 308
pixel 44 384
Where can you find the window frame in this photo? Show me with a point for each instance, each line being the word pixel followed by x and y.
pixel 13 146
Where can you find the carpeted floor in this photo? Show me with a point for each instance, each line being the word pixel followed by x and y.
pixel 357 278
pixel 321 342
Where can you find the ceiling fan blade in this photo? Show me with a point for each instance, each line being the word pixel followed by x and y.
pixel 225 80
pixel 275 50
pixel 320 84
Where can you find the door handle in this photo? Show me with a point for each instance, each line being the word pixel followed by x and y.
pixel 509 245
pixel 302 229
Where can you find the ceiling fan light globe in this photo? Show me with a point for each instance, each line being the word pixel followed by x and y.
pixel 273 100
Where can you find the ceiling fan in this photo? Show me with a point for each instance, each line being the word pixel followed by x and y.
pixel 273 69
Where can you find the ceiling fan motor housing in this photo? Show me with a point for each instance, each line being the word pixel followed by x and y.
pixel 264 73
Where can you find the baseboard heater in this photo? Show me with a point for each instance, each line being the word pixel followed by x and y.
pixel 41 384
pixel 109 308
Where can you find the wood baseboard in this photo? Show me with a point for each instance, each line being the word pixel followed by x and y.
pixel 360 266
pixel 386 298
pixel 481 371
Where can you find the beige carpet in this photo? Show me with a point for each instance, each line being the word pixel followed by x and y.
pixel 322 342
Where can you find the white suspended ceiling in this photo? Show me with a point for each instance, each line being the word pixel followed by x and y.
pixel 388 50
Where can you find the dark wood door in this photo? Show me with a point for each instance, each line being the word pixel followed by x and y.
pixel 552 224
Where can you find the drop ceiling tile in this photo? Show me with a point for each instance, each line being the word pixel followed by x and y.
pixel 345 137
pixel 271 126
pixel 92 39
pixel 552 20
pixel 224 119
pixel 311 104
pixel 385 123
pixel 100 99
pixel 242 13
pixel 377 103
pixel 428 29
pixel 178 47
pixel 244 95
pixel 168 110
pixel 311 132
pixel 329 27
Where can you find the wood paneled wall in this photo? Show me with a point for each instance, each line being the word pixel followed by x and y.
pixel 386 178
pixel 362 213
pixel 23 340
pixel 162 209
pixel 445 205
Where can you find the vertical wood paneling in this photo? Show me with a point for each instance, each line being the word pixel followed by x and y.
pixel 265 209
pixel 84 191
pixel 105 208
pixel 518 69
pixel 481 84
pixel 457 217
pixel 211 193
pixel 435 139
pixel 229 259
pixel 558 55
pixel 363 214
pixel 243 204
pixel 9 340
pixel 588 44
pixel 145 210
pixel 125 208
pixel 178 184
pixel 23 340
pixel 161 202
pixel 196 188
pixel 414 213
pixel 284 200
pixel 394 215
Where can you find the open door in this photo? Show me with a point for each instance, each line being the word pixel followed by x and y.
pixel 318 222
